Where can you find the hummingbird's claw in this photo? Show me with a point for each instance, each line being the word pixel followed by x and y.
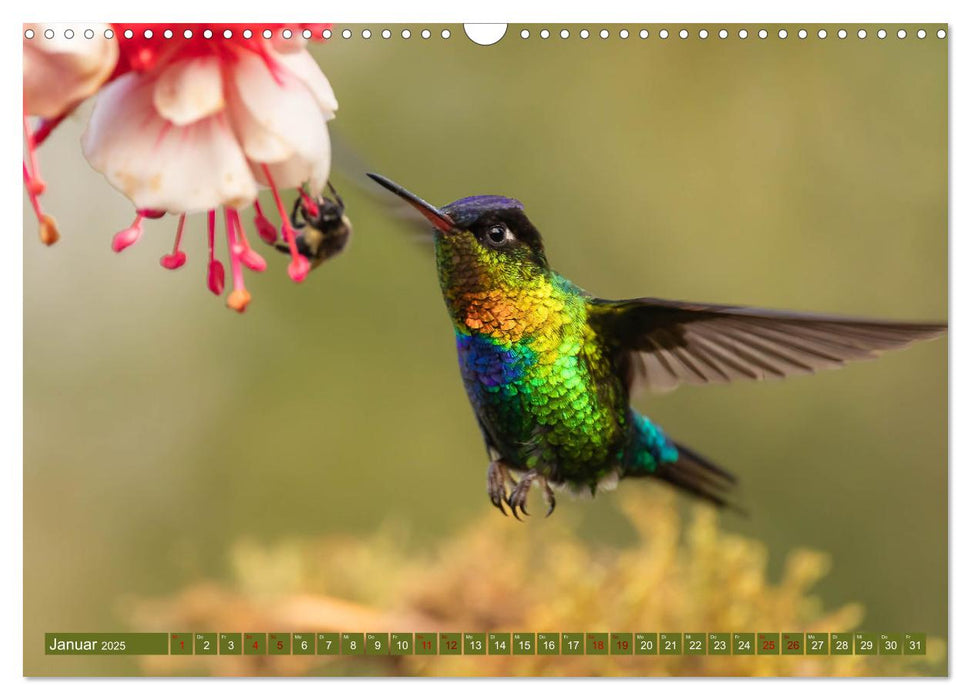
pixel 550 498
pixel 496 479
pixel 517 497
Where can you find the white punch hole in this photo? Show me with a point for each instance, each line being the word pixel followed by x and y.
pixel 485 34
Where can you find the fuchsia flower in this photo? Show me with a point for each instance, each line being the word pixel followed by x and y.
pixel 197 118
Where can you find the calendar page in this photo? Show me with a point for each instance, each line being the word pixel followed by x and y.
pixel 422 349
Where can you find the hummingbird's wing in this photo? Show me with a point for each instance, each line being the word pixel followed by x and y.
pixel 664 343
pixel 352 164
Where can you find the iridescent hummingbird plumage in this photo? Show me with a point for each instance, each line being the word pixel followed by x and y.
pixel 549 368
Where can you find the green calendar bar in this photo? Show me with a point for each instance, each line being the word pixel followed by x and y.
pixel 489 643
pixel 96 644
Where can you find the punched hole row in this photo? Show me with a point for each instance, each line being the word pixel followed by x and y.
pixel 724 34
pixel 524 34
pixel 246 34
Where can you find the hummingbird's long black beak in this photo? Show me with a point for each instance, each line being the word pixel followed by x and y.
pixel 440 220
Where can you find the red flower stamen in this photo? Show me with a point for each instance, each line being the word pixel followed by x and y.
pixel 216 274
pixel 264 228
pixel 128 236
pixel 309 204
pixel 176 258
pixel 299 265
pixel 36 183
pixel 47 227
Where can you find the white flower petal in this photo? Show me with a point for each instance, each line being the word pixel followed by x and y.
pixel 161 166
pixel 281 104
pixel 258 143
pixel 60 72
pixel 189 90
pixel 298 170
pixel 303 65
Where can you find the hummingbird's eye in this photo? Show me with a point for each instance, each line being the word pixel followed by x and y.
pixel 498 234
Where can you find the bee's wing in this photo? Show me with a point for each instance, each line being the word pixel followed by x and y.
pixel 663 343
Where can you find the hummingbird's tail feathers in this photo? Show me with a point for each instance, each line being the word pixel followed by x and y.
pixel 699 476
pixel 664 343
pixel 686 454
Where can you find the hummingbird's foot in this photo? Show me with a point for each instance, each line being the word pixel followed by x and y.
pixel 550 499
pixel 496 478
pixel 517 497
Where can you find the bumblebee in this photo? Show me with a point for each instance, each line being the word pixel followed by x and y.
pixel 322 227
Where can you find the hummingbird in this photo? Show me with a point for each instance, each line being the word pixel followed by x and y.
pixel 549 368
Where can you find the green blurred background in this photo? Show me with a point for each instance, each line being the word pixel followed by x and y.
pixel 160 427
